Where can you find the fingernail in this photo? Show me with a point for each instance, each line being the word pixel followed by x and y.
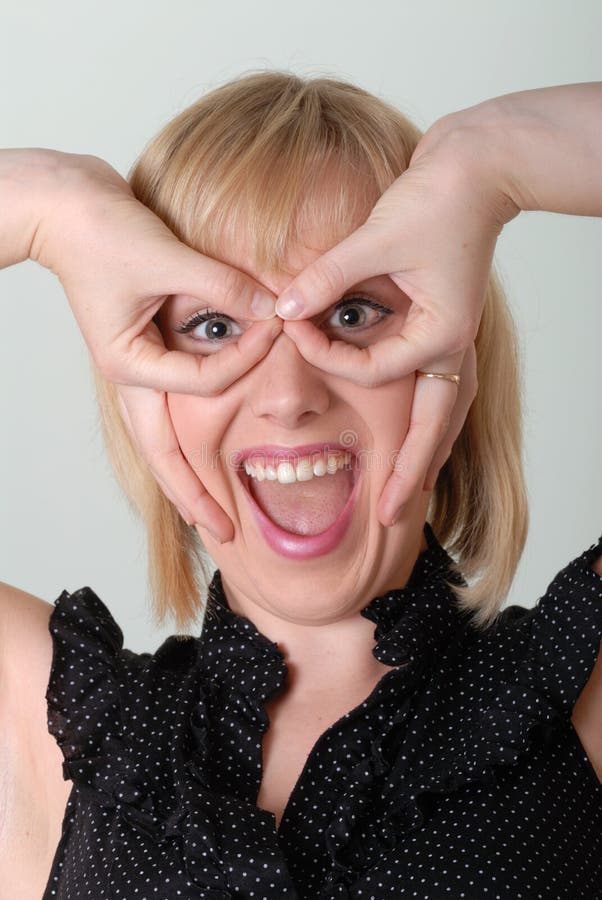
pixel 263 306
pixel 395 519
pixel 186 516
pixel 276 327
pixel 289 308
pixel 214 535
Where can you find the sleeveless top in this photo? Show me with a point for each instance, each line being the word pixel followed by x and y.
pixel 460 775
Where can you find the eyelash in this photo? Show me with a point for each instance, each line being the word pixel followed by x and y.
pixel 207 315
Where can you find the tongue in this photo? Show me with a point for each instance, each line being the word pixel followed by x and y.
pixel 304 507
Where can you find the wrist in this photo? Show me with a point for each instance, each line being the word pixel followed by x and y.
pixel 35 183
pixel 25 178
pixel 68 187
pixel 543 145
pixel 475 142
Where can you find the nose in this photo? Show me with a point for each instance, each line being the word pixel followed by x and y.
pixel 286 389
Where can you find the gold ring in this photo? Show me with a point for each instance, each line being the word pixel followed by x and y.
pixel 454 378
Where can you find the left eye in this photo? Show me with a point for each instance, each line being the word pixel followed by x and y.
pixel 354 317
pixel 353 313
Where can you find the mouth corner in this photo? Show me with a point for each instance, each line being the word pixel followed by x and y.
pixel 243 475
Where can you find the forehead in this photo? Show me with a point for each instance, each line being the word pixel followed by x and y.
pixel 323 221
pixel 238 253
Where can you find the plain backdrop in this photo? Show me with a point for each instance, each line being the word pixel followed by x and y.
pixel 103 78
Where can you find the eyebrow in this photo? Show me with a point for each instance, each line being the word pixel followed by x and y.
pixel 369 284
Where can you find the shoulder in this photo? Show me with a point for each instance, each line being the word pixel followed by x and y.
pixel 25 661
pixel 587 712
pixel 103 696
pixel 31 759
pixel 546 660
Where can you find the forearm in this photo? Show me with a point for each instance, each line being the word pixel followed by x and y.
pixel 36 187
pixel 546 145
pixel 25 179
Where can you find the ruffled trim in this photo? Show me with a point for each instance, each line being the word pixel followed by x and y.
pixel 83 675
pixel 209 826
pixel 213 825
pixel 561 650
pixel 416 622
pixel 85 712
pixel 99 758
pixel 566 630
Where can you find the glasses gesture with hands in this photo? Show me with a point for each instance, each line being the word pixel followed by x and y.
pixel 432 232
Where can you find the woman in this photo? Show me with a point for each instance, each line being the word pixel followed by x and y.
pixel 294 749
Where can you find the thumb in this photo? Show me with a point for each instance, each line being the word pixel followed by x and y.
pixel 323 282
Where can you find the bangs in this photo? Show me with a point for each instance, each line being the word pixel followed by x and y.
pixel 275 214
pixel 270 157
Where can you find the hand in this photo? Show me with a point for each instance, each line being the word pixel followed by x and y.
pixel 117 262
pixel 433 231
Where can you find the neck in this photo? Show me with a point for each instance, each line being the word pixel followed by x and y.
pixel 322 659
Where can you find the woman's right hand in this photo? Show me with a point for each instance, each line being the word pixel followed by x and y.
pixel 117 262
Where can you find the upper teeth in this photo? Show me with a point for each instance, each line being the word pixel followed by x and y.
pixel 303 470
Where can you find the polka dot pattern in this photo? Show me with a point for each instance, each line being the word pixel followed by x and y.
pixel 460 775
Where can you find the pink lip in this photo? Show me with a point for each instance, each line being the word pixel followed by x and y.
pixel 298 546
pixel 284 454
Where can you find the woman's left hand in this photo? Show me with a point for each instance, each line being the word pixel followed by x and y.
pixel 433 231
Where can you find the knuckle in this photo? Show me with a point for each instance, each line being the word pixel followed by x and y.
pixel 107 365
pixel 458 340
pixel 232 286
pixel 463 333
pixel 368 380
pixel 371 376
pixel 330 275
pixel 211 387
pixel 468 329
pixel 207 375
pixel 123 410
pixel 442 427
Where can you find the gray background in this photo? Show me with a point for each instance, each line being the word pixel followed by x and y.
pixel 102 78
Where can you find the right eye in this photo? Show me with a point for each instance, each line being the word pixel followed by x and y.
pixel 217 327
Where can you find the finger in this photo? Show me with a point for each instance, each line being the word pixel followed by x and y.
pixel 467 392
pixel 432 406
pixel 149 419
pixel 164 487
pixel 334 357
pixel 325 280
pixel 424 341
pixel 144 361
pixel 125 415
pixel 219 284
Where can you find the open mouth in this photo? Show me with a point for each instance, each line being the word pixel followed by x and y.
pixel 306 498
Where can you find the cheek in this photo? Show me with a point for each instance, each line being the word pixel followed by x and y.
pixel 198 427
pixel 185 415
pixel 386 412
pixel 390 409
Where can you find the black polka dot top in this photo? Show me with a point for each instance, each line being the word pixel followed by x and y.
pixel 460 775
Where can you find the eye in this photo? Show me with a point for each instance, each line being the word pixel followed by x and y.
pixel 351 314
pixel 216 326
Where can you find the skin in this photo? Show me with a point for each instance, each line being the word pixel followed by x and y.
pixel 285 400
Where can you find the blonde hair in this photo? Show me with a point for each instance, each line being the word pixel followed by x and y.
pixel 254 151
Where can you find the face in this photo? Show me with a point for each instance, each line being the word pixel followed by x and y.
pixel 285 402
